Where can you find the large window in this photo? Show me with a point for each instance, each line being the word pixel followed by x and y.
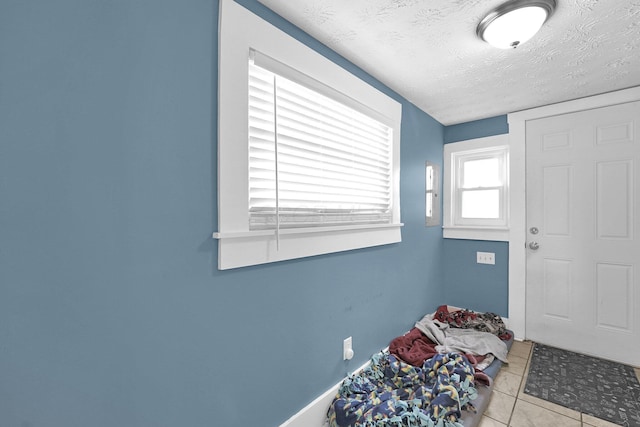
pixel 313 160
pixel 308 154
pixel 477 189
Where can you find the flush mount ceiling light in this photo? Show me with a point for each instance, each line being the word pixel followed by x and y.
pixel 514 22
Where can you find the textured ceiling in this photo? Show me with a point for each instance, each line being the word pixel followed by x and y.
pixel 428 51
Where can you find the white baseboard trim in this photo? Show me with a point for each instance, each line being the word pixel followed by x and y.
pixel 315 413
pixel 516 336
pixel 506 321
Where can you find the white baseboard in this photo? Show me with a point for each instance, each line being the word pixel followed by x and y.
pixel 506 321
pixel 516 336
pixel 315 413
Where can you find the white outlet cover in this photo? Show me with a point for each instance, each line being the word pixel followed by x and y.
pixel 347 348
pixel 486 258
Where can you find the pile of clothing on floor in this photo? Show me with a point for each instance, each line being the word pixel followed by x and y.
pixel 427 376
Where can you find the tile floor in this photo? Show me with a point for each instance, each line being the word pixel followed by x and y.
pixel 510 406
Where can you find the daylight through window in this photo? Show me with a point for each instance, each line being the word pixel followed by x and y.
pixel 313 161
pixel 476 189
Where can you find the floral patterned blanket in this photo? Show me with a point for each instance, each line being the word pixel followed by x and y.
pixel 392 393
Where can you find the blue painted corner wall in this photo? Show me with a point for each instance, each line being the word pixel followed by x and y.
pixel 112 310
pixel 476 129
pixel 466 283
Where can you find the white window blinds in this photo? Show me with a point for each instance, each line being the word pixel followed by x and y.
pixel 315 157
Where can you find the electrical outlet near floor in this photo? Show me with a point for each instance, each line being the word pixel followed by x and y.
pixel 347 349
pixel 486 258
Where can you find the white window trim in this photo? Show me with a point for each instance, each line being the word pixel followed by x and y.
pixel 241 31
pixel 453 227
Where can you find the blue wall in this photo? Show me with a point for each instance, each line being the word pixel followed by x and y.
pixel 467 284
pixel 112 311
pixel 477 129
pixel 480 287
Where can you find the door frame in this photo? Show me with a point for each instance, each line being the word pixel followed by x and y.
pixel 517 183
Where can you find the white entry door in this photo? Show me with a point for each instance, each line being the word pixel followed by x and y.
pixel 583 221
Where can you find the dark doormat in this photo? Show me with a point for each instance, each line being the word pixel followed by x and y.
pixel 593 386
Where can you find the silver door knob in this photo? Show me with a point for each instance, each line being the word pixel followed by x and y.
pixel 534 246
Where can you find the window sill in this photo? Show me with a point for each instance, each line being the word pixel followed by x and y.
pixel 308 230
pixel 245 248
pixel 476 233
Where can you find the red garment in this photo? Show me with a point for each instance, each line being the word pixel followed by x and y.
pixel 415 348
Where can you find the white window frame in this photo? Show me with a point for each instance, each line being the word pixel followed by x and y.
pixel 240 32
pixel 455 155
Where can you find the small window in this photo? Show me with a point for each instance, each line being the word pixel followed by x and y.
pixel 480 187
pixel 477 189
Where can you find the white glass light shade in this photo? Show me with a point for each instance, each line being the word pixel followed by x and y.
pixel 515 22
